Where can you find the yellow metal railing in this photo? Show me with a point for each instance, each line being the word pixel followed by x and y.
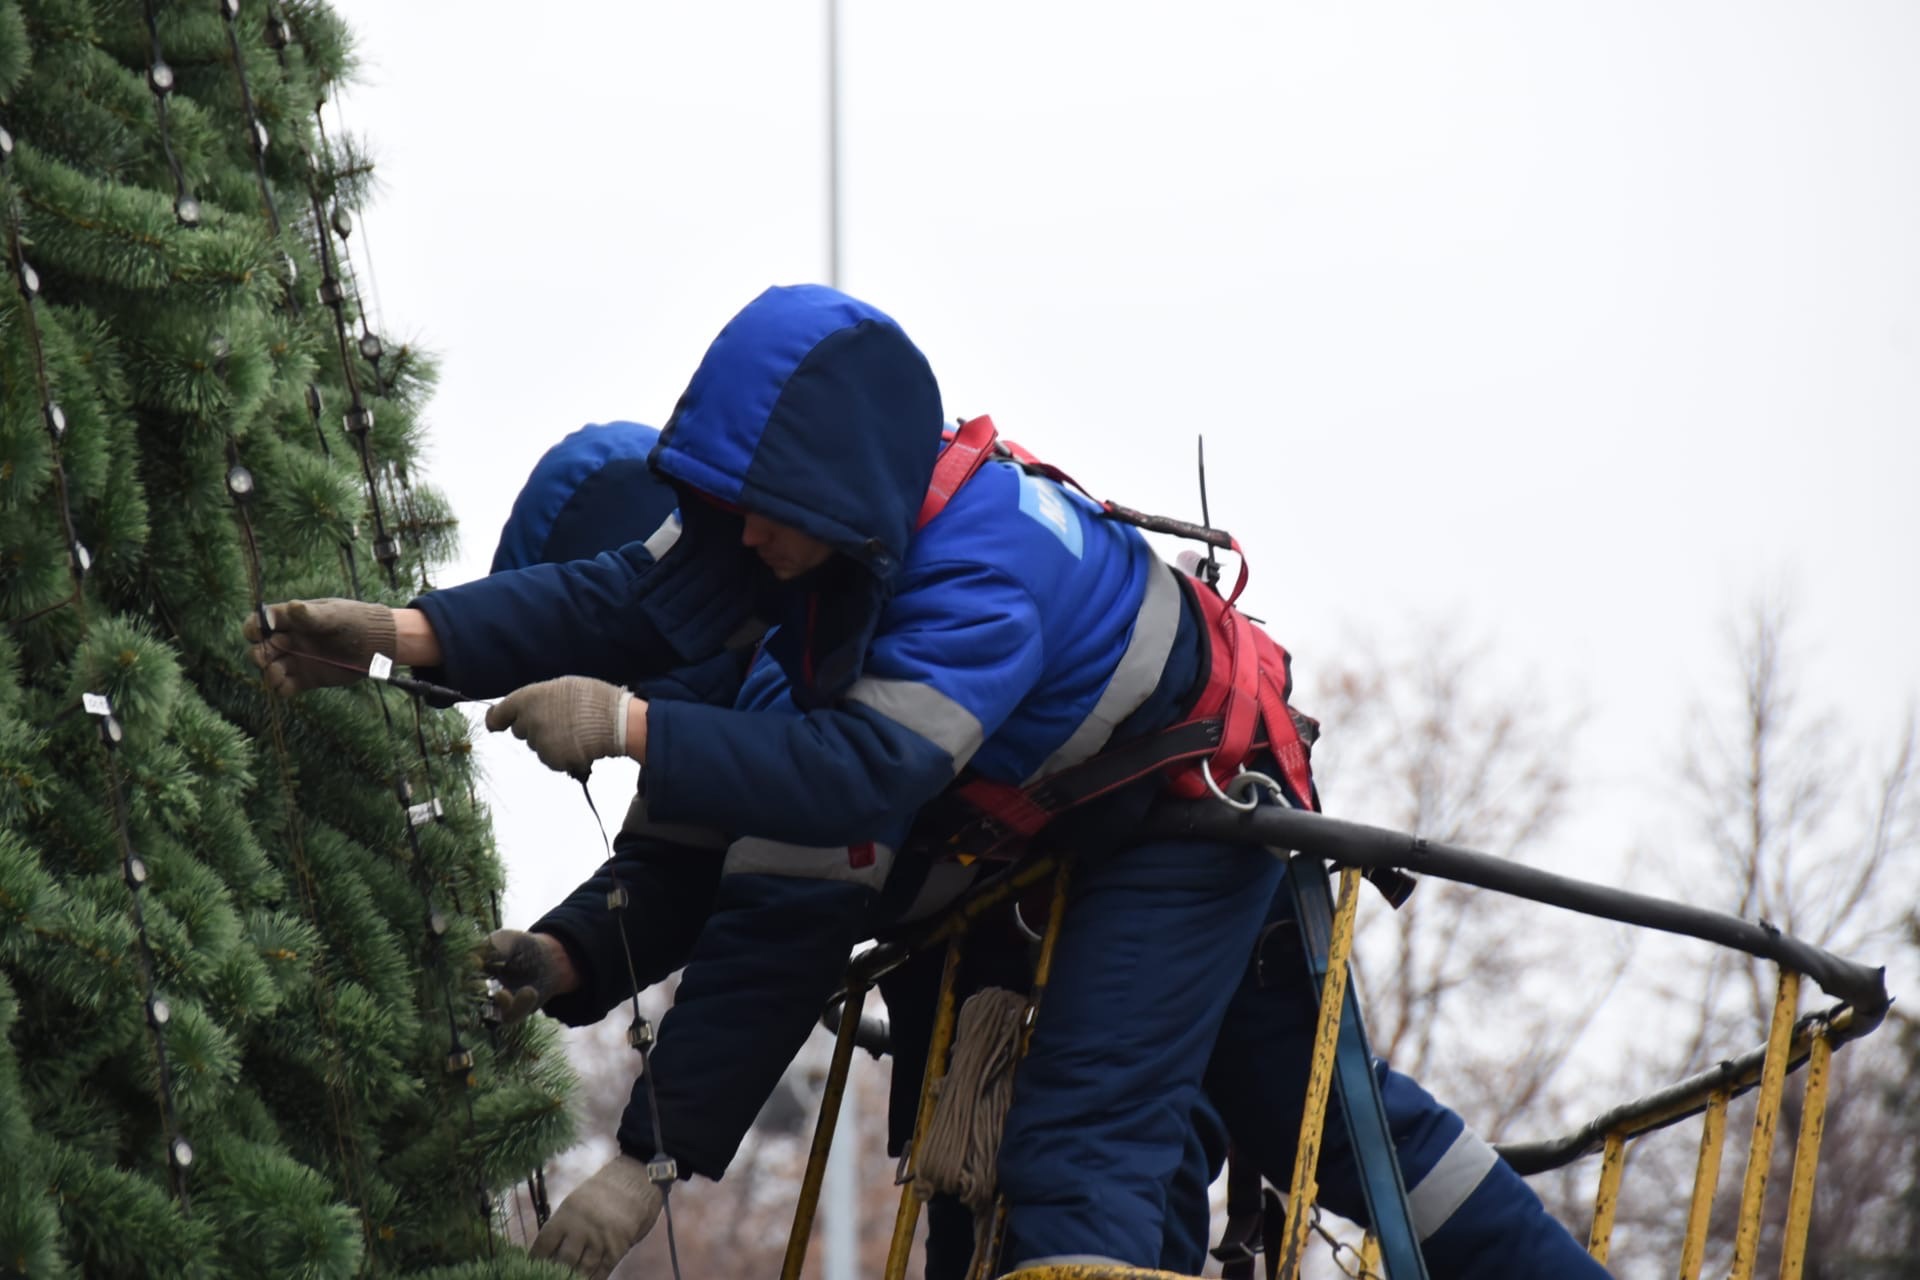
pixel 1791 1041
pixel 1305 1187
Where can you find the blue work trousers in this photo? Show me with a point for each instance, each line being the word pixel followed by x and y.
pixel 1160 989
pixel 1104 1102
pixel 1475 1217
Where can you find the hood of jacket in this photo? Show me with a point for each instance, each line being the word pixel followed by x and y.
pixel 589 493
pixel 813 409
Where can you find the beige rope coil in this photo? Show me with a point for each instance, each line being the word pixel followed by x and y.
pixel 970 1102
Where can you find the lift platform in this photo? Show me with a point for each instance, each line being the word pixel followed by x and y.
pixel 1341 1059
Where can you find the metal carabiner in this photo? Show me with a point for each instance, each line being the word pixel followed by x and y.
pixel 1247 780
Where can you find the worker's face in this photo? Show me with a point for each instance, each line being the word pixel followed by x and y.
pixel 785 550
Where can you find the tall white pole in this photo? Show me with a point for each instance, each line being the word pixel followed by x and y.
pixel 842 1191
pixel 833 143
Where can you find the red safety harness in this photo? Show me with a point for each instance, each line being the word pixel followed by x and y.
pixel 1240 712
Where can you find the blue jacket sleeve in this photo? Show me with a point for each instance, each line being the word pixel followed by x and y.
pixel 669 890
pixel 619 616
pixel 955 653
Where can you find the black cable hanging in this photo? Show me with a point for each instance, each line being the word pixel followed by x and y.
pixel 159 1012
pixel 133 868
pixel 52 417
pixel 403 502
pixel 257 138
pixel 662 1170
pixel 359 425
pixel 399 489
pixel 239 485
pixel 160 79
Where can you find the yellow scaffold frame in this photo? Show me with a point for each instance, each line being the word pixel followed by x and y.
pixel 1791 1042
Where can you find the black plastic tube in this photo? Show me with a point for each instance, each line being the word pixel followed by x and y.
pixel 1353 844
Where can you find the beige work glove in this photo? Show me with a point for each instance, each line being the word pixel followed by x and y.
pixel 529 973
pixel 341 637
pixel 569 722
pixel 602 1219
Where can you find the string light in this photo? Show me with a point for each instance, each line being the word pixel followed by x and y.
pixel 662 1170
pixel 242 487
pixel 257 137
pixel 27 280
pixel 135 873
pixel 161 81
pixel 159 1012
pixel 358 421
pixel 241 483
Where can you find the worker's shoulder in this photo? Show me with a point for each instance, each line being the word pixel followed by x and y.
pixel 1025 525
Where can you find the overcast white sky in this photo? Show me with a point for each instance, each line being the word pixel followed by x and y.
pixel 1571 325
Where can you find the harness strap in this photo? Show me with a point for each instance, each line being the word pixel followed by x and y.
pixel 981 818
pixel 977 440
pixel 1241 1241
pixel 1251 695
pixel 970 446
pixel 1241 709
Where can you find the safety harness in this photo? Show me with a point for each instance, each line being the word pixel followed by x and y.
pixel 1241 711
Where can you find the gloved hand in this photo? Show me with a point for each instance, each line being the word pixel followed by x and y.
pixel 340 635
pixel 605 1216
pixel 569 722
pixel 531 968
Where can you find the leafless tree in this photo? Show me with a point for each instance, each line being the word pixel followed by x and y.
pixel 1435 741
pixel 1801 836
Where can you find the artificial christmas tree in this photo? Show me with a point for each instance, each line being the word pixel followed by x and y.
pixel 239 1014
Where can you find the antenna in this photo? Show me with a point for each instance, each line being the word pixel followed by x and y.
pixel 1211 571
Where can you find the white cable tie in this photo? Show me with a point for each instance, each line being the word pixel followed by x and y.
pixel 96 704
pixel 381 667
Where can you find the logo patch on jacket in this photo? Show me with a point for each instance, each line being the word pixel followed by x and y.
pixel 1042 499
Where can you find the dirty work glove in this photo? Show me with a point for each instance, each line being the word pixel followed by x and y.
pixel 605 1216
pixel 569 722
pixel 346 633
pixel 528 970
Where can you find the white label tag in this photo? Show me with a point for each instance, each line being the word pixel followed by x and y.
pixel 424 812
pixel 96 704
pixel 381 667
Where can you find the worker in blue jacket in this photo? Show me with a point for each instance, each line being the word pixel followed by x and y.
pixel 591 492
pixel 1015 635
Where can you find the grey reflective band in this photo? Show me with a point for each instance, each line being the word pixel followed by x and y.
pixel 661 540
pixel 754 856
pixel 925 710
pixel 1135 676
pixel 1459 1172
pixel 637 823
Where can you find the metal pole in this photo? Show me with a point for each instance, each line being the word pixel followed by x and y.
pixel 1806 1159
pixel 823 1135
pixel 1305 1187
pixel 938 1047
pixel 833 143
pixel 1606 1201
pixel 1706 1180
pixel 842 1253
pixel 1773 1082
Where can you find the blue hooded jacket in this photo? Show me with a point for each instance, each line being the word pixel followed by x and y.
pixel 594 492
pixel 1013 634
pixel 591 492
